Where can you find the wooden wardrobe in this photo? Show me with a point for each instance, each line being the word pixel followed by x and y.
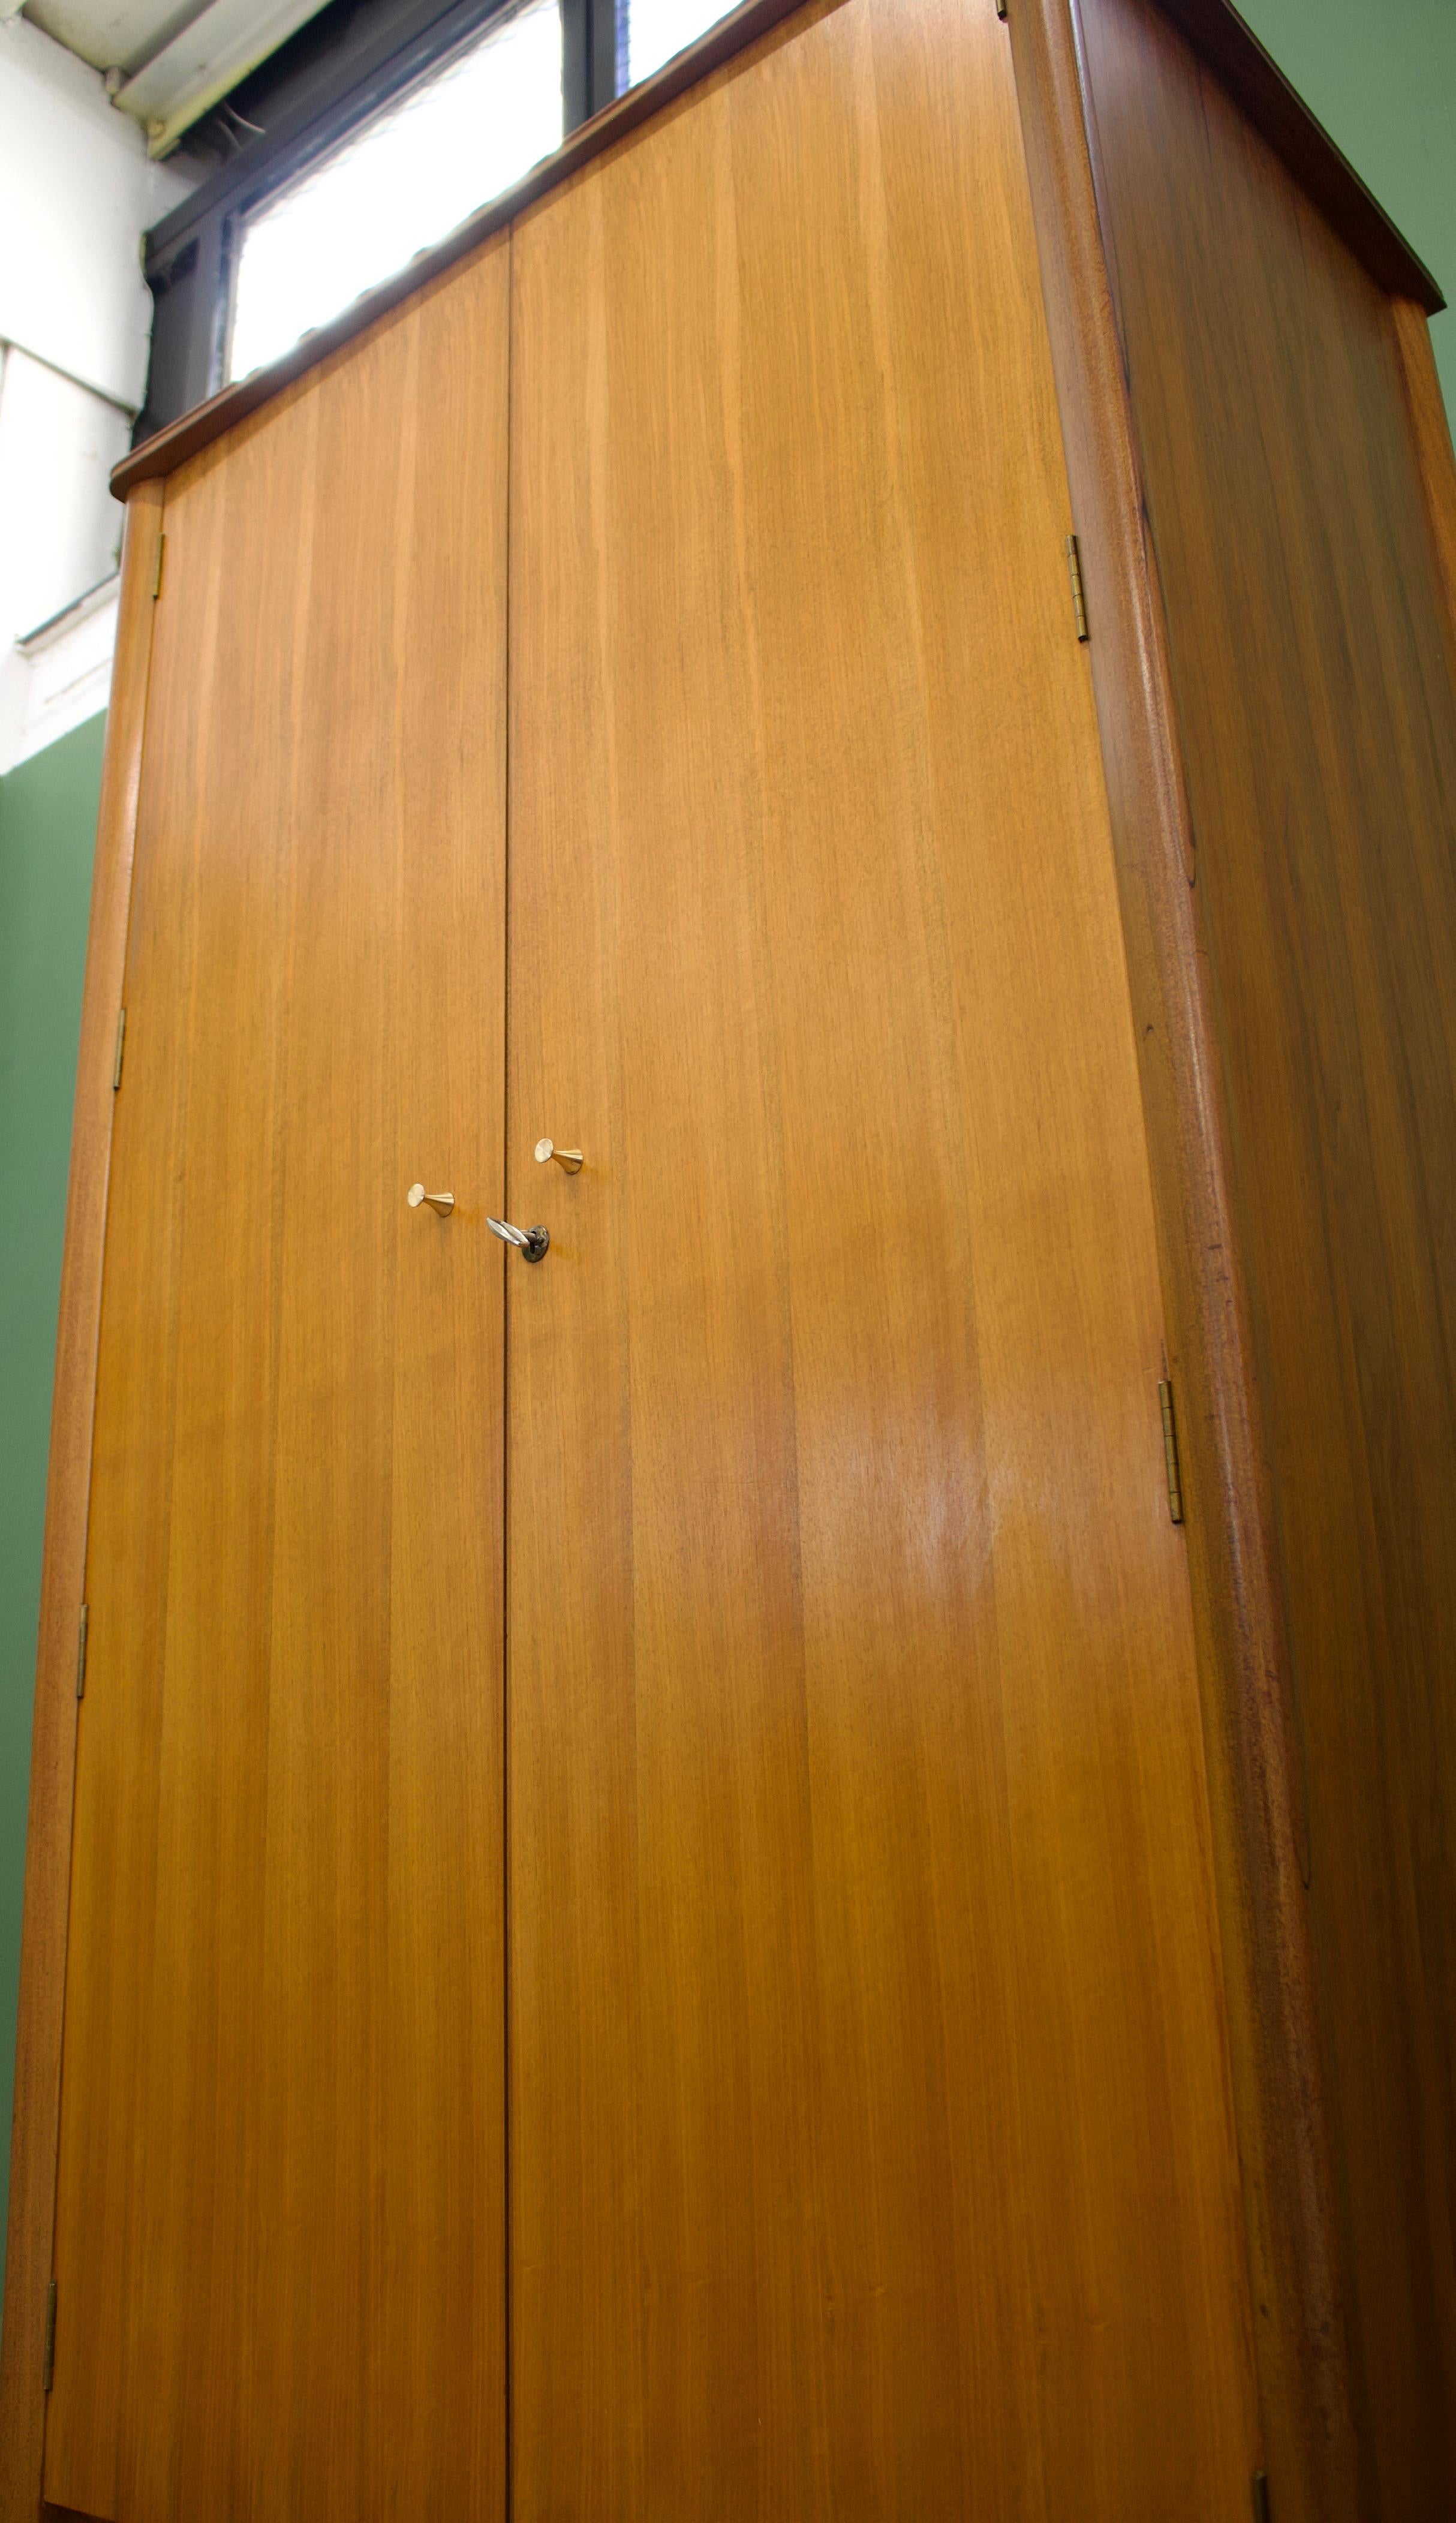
pixel 793 1863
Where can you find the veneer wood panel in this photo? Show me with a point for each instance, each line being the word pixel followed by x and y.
pixel 876 2041
pixel 1433 437
pixel 279 2237
pixel 1260 1839
pixel 871 2137
pixel 1293 540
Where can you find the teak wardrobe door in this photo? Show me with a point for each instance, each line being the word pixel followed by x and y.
pixel 870 2145
pixel 280 2271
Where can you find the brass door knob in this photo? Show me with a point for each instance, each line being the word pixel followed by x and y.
pixel 568 1159
pixel 442 1202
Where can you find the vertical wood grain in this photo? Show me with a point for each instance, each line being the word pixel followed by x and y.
pixel 1291 522
pixel 870 2136
pixel 280 2216
pixel 1432 428
pixel 38 2082
pixel 1306 2405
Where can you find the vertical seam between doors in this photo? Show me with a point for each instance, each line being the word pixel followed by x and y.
pixel 508 2506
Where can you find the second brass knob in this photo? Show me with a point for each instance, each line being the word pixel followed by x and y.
pixel 568 1159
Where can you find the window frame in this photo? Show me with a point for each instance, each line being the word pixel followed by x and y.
pixel 315 92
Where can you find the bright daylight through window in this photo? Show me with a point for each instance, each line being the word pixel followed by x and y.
pixel 651 31
pixel 399 184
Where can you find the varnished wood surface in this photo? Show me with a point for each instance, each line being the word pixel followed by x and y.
pixel 1212 25
pixel 1434 454
pixel 1255 1784
pixel 870 2136
pixel 37 2080
pixel 1314 695
pixel 279 2244
pixel 1228 47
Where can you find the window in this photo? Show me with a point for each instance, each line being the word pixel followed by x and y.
pixel 651 31
pixel 399 184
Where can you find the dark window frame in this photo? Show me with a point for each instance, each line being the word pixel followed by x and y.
pixel 355 56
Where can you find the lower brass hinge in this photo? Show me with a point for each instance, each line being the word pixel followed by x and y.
pixel 1260 2487
pixel 1079 592
pixel 81 1653
pixel 1001 8
pixel 48 2371
pixel 1170 1452
pixel 160 557
pixel 120 1049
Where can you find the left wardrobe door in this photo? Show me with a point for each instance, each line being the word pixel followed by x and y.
pixel 280 2252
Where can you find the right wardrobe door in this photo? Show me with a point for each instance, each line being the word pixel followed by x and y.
pixel 871 2152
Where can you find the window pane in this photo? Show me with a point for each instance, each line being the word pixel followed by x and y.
pixel 401 183
pixel 651 31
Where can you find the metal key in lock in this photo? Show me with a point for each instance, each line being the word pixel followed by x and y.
pixel 529 1242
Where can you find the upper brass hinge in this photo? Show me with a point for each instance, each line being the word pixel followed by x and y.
pixel 81 1653
pixel 1260 2487
pixel 1001 8
pixel 48 2369
pixel 120 1049
pixel 1079 592
pixel 160 557
pixel 1170 1452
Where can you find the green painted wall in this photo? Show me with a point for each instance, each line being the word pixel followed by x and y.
pixel 47 833
pixel 1380 75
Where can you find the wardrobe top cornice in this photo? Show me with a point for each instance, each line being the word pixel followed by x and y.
pixel 1212 28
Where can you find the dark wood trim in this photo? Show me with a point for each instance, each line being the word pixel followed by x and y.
pixel 35 2131
pixel 1217 33
pixel 1300 2339
pixel 1431 431
pixel 1232 51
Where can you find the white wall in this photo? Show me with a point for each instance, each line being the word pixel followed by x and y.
pixel 77 192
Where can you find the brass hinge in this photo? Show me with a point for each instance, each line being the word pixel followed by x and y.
pixel 48 2369
pixel 120 1049
pixel 81 1653
pixel 1001 8
pixel 1260 2487
pixel 160 557
pixel 1170 1452
pixel 1079 592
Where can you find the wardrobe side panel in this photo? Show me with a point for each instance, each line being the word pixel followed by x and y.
pixel 1431 424
pixel 1316 714
pixel 38 2078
